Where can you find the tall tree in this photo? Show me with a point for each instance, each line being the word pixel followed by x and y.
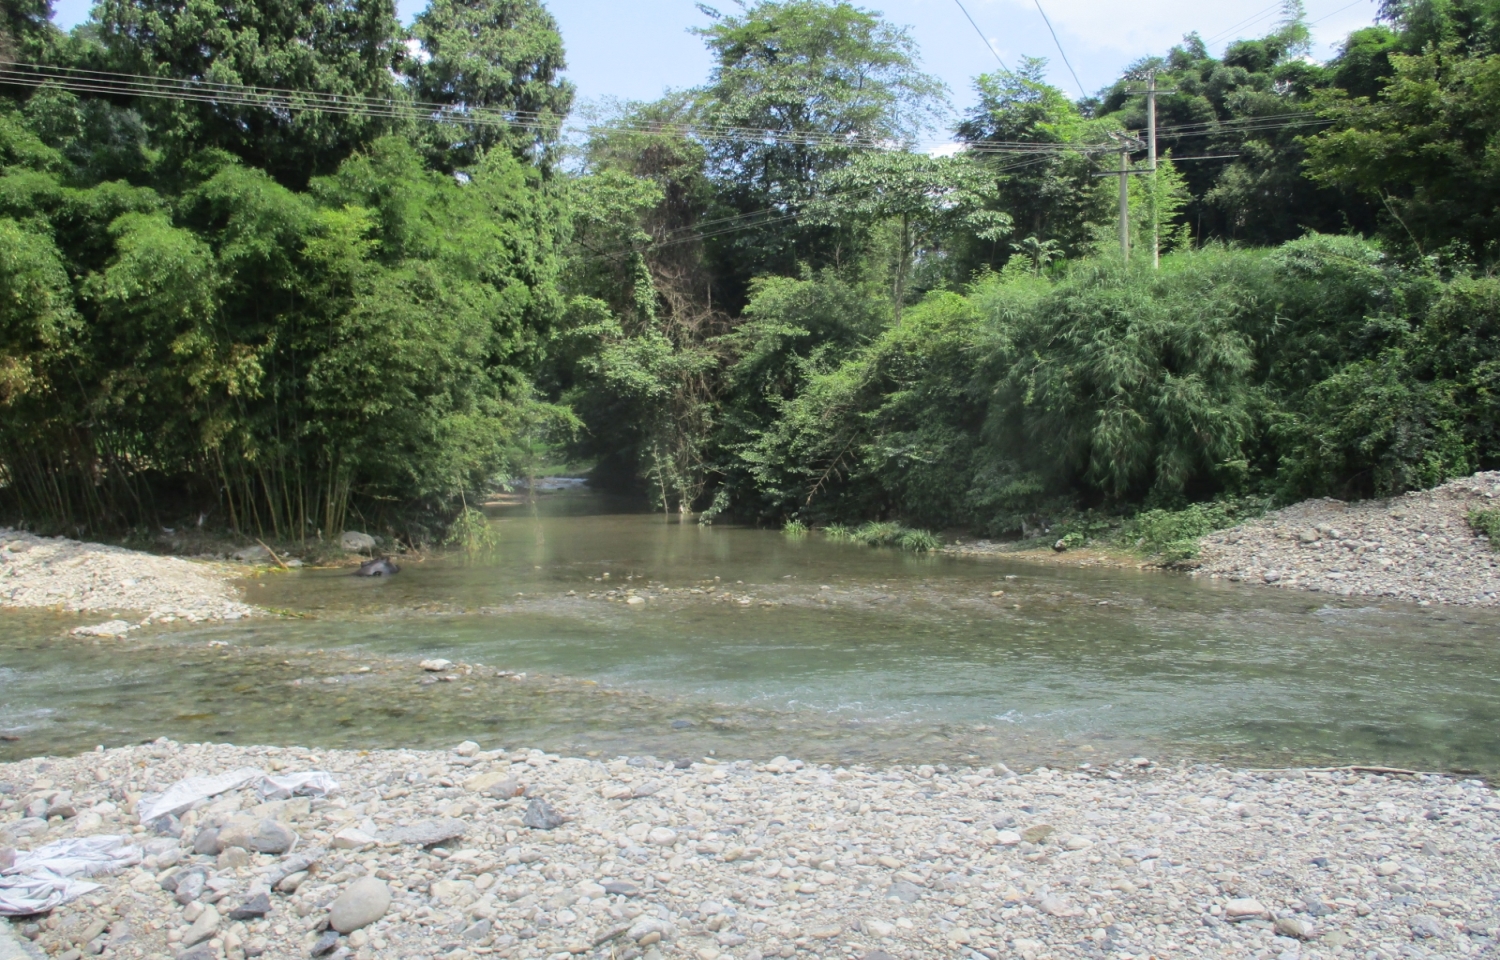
pixel 1422 141
pixel 347 48
pixel 502 56
pixel 1051 195
pixel 816 81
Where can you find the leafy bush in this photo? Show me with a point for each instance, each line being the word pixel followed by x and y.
pixel 1173 535
pixel 1487 523
pixel 472 532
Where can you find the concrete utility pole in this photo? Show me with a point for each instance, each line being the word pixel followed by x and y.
pixel 1151 140
pixel 1127 144
pixel 1124 201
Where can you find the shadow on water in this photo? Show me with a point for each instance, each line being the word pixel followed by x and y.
pixel 747 643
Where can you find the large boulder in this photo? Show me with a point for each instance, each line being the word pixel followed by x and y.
pixel 362 903
pixel 356 542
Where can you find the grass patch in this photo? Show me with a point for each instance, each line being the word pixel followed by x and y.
pixel 884 533
pixel 794 529
pixel 1487 523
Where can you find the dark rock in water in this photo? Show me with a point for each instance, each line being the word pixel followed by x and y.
pixel 379 567
pixel 252 909
pixel 326 943
pixel 541 816
pixel 622 888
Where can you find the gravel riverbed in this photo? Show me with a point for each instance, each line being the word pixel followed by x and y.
pixel 92 577
pixel 1417 547
pixel 470 853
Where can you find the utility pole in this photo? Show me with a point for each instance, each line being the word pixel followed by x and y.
pixel 1127 144
pixel 1151 140
pixel 1124 201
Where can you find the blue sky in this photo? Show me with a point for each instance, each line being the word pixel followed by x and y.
pixel 637 49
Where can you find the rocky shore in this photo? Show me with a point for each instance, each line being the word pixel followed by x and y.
pixel 91 577
pixel 1417 547
pixel 472 852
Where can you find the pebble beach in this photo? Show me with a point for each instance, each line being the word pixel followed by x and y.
pixel 477 852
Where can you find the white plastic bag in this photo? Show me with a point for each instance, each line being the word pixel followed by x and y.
pixel 284 786
pixel 44 878
pixel 184 793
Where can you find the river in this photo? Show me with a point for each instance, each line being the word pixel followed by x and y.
pixel 803 647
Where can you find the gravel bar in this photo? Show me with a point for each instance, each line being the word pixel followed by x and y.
pixel 92 577
pixel 1417 547
pixel 472 853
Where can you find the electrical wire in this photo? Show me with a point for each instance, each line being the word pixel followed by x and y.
pixel 287 101
pixel 1253 18
pixel 1048 21
pixel 982 36
pixel 1336 12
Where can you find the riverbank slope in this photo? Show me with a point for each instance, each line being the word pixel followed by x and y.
pixel 1416 547
pixel 467 853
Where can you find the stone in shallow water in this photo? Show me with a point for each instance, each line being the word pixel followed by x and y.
pixel 622 888
pixel 426 833
pixel 905 891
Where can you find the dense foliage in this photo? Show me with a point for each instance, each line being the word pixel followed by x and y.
pixel 957 342
pixel 270 320
pixel 756 296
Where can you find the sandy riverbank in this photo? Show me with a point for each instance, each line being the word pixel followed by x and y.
pixel 429 854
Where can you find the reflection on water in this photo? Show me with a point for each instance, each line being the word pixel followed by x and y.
pixel 751 644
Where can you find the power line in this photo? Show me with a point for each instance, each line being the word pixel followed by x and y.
pixel 1253 18
pixel 1048 21
pixel 286 102
pixel 1336 12
pixel 982 36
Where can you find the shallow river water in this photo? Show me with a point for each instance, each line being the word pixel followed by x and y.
pixel 804 647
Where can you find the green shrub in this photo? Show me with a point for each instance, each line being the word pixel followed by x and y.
pixel 1487 523
pixel 472 532
pixel 794 529
pixel 1173 535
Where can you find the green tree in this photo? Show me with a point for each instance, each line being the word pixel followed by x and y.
pixel 1424 148
pixel 928 200
pixel 818 81
pixel 345 48
pixel 498 56
pixel 1046 184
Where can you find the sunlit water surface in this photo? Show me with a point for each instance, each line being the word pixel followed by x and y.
pixel 841 653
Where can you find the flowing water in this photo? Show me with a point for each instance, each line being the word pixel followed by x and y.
pixel 752 644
